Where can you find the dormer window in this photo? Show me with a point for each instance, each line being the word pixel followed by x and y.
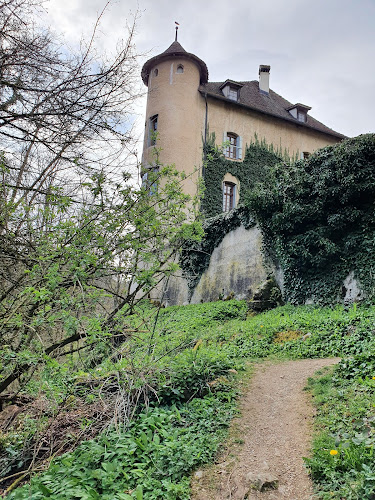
pixel 231 90
pixel 301 116
pixel 232 94
pixel 299 112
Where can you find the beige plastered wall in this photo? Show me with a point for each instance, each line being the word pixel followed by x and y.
pixel 181 111
pixel 174 97
pixel 224 117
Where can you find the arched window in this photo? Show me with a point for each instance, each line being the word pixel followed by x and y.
pixel 233 143
pixel 156 72
pixel 229 196
pixel 180 68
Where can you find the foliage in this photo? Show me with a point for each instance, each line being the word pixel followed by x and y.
pixel 165 365
pixel 80 244
pixel 78 281
pixel 317 218
pixel 151 459
pixel 187 361
pixel 258 158
pixel 343 450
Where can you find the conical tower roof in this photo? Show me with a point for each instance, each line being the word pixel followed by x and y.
pixel 174 50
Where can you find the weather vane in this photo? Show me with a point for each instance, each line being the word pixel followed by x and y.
pixel 177 25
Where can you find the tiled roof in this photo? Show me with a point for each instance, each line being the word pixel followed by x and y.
pixel 174 50
pixel 271 104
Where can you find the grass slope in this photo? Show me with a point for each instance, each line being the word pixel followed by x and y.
pixel 181 372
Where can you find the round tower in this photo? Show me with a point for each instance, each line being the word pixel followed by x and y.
pixel 175 113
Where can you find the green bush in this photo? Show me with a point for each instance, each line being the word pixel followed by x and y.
pixel 317 217
pixel 152 459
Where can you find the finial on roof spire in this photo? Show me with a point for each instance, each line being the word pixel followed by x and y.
pixel 177 25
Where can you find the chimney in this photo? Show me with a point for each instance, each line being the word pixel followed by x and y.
pixel 264 79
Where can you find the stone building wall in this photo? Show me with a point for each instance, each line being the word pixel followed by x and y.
pixel 236 267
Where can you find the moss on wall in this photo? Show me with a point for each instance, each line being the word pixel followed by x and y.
pixel 195 257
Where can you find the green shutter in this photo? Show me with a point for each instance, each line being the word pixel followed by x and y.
pixel 239 148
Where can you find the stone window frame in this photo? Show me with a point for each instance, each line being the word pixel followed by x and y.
pixel 230 191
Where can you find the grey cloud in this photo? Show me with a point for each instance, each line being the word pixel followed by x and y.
pixel 320 51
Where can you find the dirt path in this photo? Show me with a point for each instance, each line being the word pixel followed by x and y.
pixel 268 440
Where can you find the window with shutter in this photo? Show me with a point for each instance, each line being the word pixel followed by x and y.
pixel 233 149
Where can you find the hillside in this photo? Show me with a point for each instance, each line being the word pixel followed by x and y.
pixel 158 405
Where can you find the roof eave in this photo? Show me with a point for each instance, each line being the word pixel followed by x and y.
pixel 184 55
pixel 267 113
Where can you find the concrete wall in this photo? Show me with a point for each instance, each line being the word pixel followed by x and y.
pixel 236 265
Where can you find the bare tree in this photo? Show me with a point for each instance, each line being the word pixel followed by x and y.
pixel 67 228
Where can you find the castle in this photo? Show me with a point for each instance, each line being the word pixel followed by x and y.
pixel 183 107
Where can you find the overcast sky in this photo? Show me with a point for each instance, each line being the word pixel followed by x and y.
pixel 321 52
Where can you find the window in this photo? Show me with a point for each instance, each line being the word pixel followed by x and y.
pixel 156 72
pixel 180 69
pixel 233 94
pixel 229 196
pixel 231 90
pixel 150 180
pixel 299 111
pixel 301 116
pixel 152 130
pixel 305 155
pixel 233 149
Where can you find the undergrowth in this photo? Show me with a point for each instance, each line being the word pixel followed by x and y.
pixel 172 387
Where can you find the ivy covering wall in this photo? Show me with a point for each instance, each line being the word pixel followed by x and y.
pixel 259 157
pixel 317 216
pixel 318 220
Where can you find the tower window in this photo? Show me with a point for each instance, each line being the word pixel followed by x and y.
pixel 229 196
pixel 156 72
pixel 180 68
pixel 152 130
pixel 150 180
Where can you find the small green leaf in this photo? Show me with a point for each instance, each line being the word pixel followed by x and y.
pixel 46 491
pixel 139 492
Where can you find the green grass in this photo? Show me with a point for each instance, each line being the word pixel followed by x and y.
pixel 187 362
pixel 343 458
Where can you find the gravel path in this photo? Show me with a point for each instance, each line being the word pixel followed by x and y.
pixel 269 439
